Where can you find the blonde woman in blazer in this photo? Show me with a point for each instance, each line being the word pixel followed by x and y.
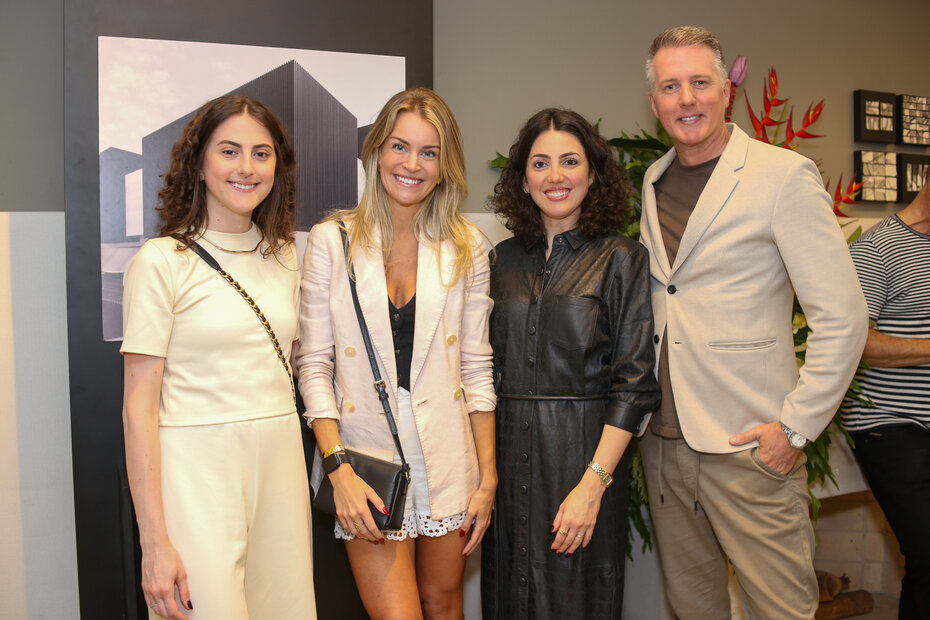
pixel 407 245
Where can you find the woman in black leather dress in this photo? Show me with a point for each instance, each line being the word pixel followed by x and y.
pixel 572 335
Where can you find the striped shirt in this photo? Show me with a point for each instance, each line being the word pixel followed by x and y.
pixel 893 263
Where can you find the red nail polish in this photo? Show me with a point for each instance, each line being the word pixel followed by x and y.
pixel 461 533
pixel 384 540
pixel 385 510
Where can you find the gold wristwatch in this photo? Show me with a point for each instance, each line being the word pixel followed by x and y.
pixel 603 474
pixel 336 448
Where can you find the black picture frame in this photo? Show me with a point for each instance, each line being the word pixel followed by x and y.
pixel 913 172
pixel 105 542
pixel 878 172
pixel 874 116
pixel 912 120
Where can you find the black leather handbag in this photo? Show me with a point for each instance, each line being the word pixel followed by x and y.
pixel 388 479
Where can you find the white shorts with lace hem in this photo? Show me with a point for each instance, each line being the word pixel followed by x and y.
pixel 417 519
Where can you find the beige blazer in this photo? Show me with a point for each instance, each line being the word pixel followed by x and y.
pixel 450 374
pixel 762 229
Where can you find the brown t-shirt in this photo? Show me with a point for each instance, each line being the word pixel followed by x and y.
pixel 677 191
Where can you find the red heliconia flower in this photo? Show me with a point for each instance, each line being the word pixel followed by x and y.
pixel 789 130
pixel 756 123
pixel 773 88
pixel 810 117
pixel 847 197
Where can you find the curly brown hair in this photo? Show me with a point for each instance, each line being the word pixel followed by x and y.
pixel 182 201
pixel 606 207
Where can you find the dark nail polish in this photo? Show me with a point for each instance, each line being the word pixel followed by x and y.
pixel 190 605
pixel 461 533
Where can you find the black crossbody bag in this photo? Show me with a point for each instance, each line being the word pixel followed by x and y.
pixel 388 479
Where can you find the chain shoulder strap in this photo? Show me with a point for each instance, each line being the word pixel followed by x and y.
pixel 208 258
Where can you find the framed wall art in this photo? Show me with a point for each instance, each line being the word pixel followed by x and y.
pixel 874 114
pixel 879 175
pixel 913 172
pixel 133 71
pixel 913 120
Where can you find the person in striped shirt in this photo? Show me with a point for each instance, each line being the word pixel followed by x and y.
pixel 892 432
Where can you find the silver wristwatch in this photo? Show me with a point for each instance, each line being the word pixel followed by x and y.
pixel 797 440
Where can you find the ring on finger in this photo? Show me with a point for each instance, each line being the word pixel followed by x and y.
pixel 563 532
pixel 358 528
pixel 580 536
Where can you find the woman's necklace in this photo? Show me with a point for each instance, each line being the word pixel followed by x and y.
pixel 228 251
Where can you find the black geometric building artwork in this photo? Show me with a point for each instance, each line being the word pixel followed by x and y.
pixel 323 131
pixel 326 139
pixel 913 120
pixel 913 172
pixel 115 165
pixel 879 175
pixel 873 114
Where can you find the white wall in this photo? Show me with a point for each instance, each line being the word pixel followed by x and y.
pixel 38 565
pixel 38 561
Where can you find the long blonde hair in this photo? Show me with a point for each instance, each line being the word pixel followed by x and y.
pixel 439 219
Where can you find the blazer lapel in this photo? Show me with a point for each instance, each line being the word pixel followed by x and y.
pixel 431 299
pixel 719 187
pixel 372 297
pixel 650 230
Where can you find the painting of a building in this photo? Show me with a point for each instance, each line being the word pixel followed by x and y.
pixel 326 138
pixel 324 132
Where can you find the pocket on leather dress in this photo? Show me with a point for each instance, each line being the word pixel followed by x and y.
pixel 573 321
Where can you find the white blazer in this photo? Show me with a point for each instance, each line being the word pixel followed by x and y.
pixel 762 230
pixel 450 373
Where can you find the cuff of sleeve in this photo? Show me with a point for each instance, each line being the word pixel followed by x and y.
pixel 480 405
pixel 310 416
pixel 624 416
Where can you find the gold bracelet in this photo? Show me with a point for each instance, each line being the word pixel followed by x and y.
pixel 337 448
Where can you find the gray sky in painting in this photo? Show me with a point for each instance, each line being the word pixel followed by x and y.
pixel 146 83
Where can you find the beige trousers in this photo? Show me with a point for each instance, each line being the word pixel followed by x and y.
pixel 237 508
pixel 707 508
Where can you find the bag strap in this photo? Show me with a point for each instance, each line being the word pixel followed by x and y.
pixel 208 258
pixel 366 337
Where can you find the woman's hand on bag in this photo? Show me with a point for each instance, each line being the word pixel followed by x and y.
pixel 162 570
pixel 574 523
pixel 478 515
pixel 351 495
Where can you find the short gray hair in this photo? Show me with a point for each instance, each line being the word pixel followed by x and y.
pixel 685 36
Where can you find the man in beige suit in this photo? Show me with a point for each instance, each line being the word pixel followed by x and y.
pixel 734 228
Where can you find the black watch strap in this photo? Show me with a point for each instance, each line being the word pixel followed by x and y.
pixel 332 462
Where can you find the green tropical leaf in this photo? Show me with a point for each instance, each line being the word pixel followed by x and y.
pixel 500 161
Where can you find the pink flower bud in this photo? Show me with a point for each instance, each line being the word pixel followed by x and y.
pixel 738 71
